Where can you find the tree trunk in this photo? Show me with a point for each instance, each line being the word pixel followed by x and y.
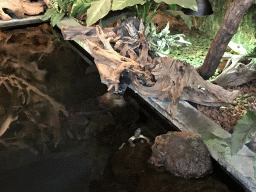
pixel 219 44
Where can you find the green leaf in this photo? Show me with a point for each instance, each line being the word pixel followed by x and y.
pixel 148 19
pixel 48 14
pixel 191 4
pixel 243 131
pixel 186 18
pixel 112 17
pixel 121 4
pixel 98 10
pixel 63 5
pixel 79 7
pixel 56 18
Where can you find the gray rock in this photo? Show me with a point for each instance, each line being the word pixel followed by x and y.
pixel 183 154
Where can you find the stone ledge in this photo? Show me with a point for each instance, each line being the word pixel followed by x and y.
pixel 18 22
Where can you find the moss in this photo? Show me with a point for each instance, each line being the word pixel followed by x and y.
pixel 195 53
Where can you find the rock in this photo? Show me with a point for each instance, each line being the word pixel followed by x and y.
pixel 15 7
pixel 181 153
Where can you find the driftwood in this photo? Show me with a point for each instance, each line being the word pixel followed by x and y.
pixel 237 72
pixel 151 76
pixel 82 33
pixel 35 40
pixel 18 8
pixel 219 44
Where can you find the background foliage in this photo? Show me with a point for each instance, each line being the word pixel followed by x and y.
pixel 211 24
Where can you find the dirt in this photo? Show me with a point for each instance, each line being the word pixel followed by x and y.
pixel 227 116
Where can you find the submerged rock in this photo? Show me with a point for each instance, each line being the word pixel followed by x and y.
pixel 181 153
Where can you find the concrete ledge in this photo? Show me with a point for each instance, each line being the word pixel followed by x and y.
pixel 18 22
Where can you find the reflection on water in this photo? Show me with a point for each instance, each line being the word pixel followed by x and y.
pixel 66 135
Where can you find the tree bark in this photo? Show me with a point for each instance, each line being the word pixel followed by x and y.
pixel 219 44
pixel 237 72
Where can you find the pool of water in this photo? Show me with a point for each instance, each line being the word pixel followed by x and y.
pixel 77 156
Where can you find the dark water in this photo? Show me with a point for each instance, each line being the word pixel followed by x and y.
pixel 74 162
pixel 78 163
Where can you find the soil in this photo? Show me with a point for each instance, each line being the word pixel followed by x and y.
pixel 227 116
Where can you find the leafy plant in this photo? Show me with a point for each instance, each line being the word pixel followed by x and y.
pixel 186 18
pixel 59 9
pixel 173 7
pixel 163 42
pixel 96 10
pixel 101 8
pixel 80 7
pixel 245 34
pixel 244 130
pixel 143 12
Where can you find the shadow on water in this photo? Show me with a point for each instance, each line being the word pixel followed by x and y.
pixel 98 124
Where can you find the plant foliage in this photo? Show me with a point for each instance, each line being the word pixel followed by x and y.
pixel 191 4
pixel 96 10
pixel 243 131
pixel 186 18
pixel 121 4
pixel 143 12
pixel 163 42
pixel 101 8
pixel 59 9
pixel 80 7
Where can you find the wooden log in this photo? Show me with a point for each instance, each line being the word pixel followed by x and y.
pixel 82 33
pixel 236 72
pixel 175 80
pixel 219 44
pixel 112 65
pixel 160 77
